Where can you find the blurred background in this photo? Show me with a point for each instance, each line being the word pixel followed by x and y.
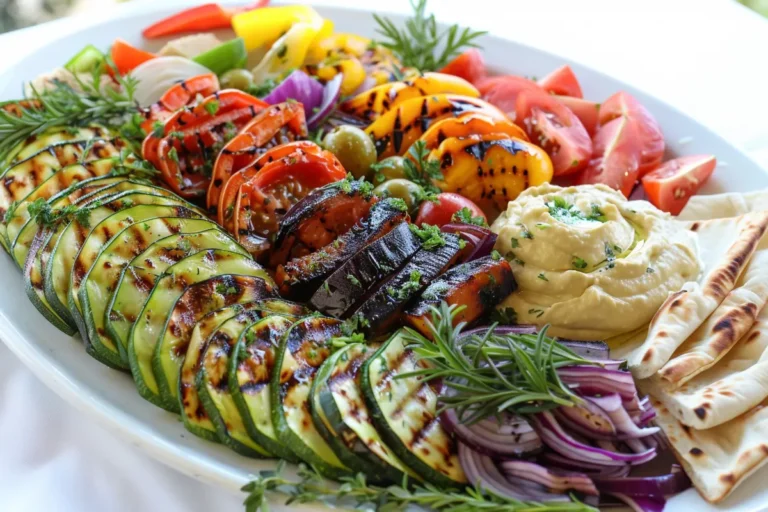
pixel 15 14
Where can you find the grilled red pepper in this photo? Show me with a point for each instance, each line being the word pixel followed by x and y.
pixel 198 19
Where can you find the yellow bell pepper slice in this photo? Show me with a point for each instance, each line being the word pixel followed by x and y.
pixel 351 45
pixel 262 27
pixel 353 72
pixel 287 53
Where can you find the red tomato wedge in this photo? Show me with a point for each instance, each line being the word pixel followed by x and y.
pixel 670 186
pixel 275 125
pixel 126 57
pixel 562 81
pixel 585 110
pixel 648 130
pixel 557 130
pixel 441 212
pixel 264 199
pixel 502 91
pixel 616 157
pixel 470 66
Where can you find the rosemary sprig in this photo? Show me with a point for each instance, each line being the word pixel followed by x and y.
pixel 422 170
pixel 421 44
pixel 496 372
pixel 355 493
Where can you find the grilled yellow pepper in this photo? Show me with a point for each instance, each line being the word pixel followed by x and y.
pixel 373 103
pixel 262 27
pixel 350 45
pixel 394 132
pixel 467 125
pixel 288 52
pixel 491 169
pixel 351 69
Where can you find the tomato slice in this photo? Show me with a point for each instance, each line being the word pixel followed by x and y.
pixel 441 212
pixel 556 129
pixel 616 158
pixel 473 123
pixel 265 199
pixel 502 91
pixel 670 186
pixel 562 81
pixel 585 110
pixel 648 130
pixel 180 95
pixel 228 194
pixel 275 125
pixel 470 66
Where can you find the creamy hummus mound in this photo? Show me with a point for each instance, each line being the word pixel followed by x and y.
pixel 590 263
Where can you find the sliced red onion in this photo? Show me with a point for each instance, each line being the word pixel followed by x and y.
pixel 613 406
pixel 599 381
pixel 556 482
pixel 482 239
pixel 638 504
pixel 588 349
pixel 591 418
pixel 636 445
pixel 298 86
pixel 592 469
pixel 330 97
pixel 521 329
pixel 512 438
pixel 553 435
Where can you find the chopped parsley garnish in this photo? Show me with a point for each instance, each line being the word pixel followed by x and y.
pixel 263 88
pixel 542 277
pixel 145 226
pixel 212 107
pixel 355 281
pixel 495 255
pixel 514 243
pixel 465 215
pixel 223 289
pixel 566 213
pixel 649 270
pixel 579 263
pixel 525 233
pixel 537 312
pixel 250 336
pixel 173 155
pixel 431 237
pixel 610 255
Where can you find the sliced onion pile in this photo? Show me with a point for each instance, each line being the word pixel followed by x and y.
pixel 588 449
pixel 319 100
pixel 481 240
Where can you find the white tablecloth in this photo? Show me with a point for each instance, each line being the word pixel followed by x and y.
pixel 706 57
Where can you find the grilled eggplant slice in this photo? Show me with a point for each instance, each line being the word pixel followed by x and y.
pixel 195 303
pixel 478 285
pixel 304 347
pixel 100 280
pixel 53 136
pixel 384 307
pixel 197 268
pixel 404 412
pixel 137 279
pixel 300 277
pixel 345 288
pixel 193 413
pixel 319 218
pixel 213 388
pixel 341 416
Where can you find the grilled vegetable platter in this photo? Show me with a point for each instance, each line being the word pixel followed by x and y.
pixel 430 286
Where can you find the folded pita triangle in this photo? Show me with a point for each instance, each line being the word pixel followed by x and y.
pixel 731 204
pixel 726 247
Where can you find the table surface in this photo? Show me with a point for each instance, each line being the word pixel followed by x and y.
pixel 703 56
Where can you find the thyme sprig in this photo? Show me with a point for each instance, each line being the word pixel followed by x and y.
pixel 422 169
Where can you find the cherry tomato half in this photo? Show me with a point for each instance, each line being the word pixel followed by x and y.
pixel 562 81
pixel 616 157
pixel 439 213
pixel 670 186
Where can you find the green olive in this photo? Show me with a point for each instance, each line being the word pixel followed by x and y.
pixel 354 149
pixel 392 168
pixel 237 79
pixel 406 190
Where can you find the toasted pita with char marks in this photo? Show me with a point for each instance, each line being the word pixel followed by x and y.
pixel 732 204
pixel 726 247
pixel 724 328
pixel 718 459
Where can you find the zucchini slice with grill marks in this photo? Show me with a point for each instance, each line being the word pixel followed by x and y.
pixel 99 282
pixel 249 373
pixel 137 279
pixel 150 322
pixel 404 411
pixel 193 413
pixel 195 303
pixel 34 144
pixel 305 346
pixel 100 234
pixel 340 415
pixel 213 388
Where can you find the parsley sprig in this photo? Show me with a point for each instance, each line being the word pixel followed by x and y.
pixel 422 170
pixel 465 215
pixel 421 44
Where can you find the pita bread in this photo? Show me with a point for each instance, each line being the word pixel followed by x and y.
pixel 718 459
pixel 738 382
pixel 726 326
pixel 726 247
pixel 732 204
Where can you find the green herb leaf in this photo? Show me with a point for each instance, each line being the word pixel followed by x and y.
pixel 422 170
pixel 465 215
pixel 431 237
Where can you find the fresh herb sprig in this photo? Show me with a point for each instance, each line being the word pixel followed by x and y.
pixel 465 215
pixel 422 170
pixel 492 373
pixel 356 492
pixel 421 44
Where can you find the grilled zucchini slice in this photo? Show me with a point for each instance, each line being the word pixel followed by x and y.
pixel 197 301
pixel 34 144
pixel 404 411
pixel 305 346
pixel 151 320
pixel 213 389
pixel 193 413
pixel 249 373
pixel 99 282
pixel 340 415
pixel 137 279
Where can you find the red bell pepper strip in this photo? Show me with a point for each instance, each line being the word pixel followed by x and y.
pixel 127 57
pixel 198 19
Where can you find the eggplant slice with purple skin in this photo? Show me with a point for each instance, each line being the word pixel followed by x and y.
pixel 320 218
pixel 479 285
pixel 384 306
pixel 355 279
pixel 300 277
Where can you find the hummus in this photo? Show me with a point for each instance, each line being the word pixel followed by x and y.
pixel 590 263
